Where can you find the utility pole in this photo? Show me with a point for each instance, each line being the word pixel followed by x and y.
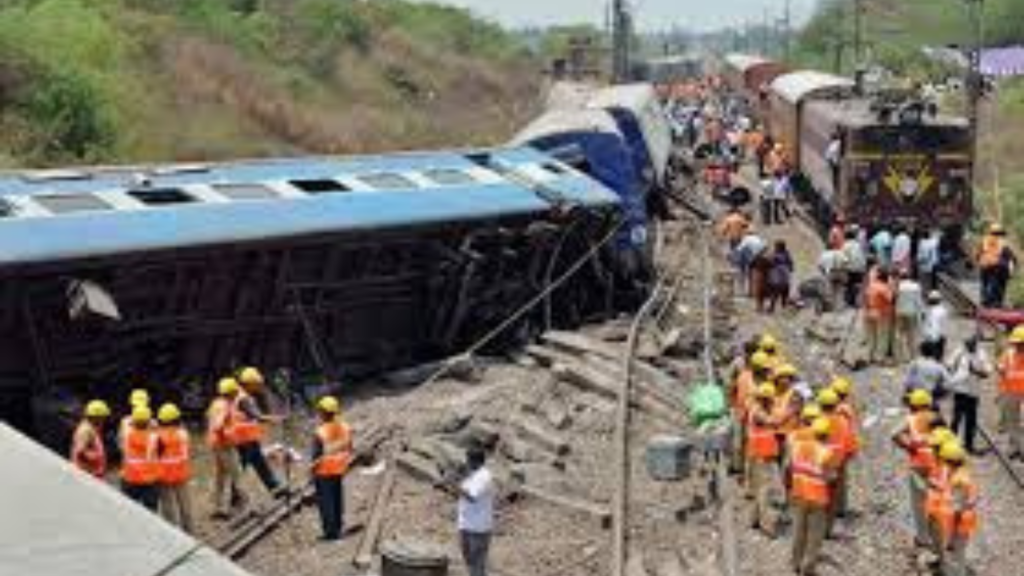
pixel 787 28
pixel 858 33
pixel 975 86
pixel 622 34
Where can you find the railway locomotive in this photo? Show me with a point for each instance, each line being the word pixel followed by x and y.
pixel 901 163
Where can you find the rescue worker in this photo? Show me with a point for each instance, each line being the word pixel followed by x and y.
pixel 1011 391
pixel 956 510
pixel 811 472
pixel 246 429
pixel 937 476
pixel 786 408
pixel 741 393
pixel 88 453
pixel 841 443
pixel 996 262
pixel 912 437
pixel 762 452
pixel 226 471
pixel 140 469
pixel 137 397
pixel 770 346
pixel 879 302
pixel 331 458
pixel 175 454
pixel 848 409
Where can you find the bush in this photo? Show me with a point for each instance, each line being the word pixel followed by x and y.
pixel 70 120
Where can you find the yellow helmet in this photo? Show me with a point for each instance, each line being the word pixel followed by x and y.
pixel 169 413
pixel 227 386
pixel 761 360
pixel 952 451
pixel 920 398
pixel 329 404
pixel 842 386
pixel 784 371
pixel 810 413
pixel 138 397
pixel 828 398
pixel 766 390
pixel 940 436
pixel 142 415
pixel 250 376
pixel 821 427
pixel 1017 336
pixel 768 343
pixel 97 409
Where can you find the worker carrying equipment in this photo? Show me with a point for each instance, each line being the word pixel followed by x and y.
pixel 811 471
pixel 331 458
pixel 140 469
pixel 175 455
pixel 88 452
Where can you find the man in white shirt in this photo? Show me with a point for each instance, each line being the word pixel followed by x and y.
pixel 856 267
pixel 902 246
pixel 970 366
pixel 928 259
pixel 909 310
pixel 476 512
pixel 936 318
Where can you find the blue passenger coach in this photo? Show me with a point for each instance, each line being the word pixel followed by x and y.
pixel 167 276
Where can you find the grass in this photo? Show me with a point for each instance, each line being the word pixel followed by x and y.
pixel 134 80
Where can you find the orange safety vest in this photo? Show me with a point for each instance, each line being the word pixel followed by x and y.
pixel 242 429
pixel 938 478
pixel 218 423
pixel 991 251
pixel 743 389
pixel 175 455
pixel 91 458
pixel 922 457
pixel 847 411
pixel 139 465
pixel 878 300
pixel 808 469
pixel 945 512
pixel 336 439
pixel 839 440
pixel 1011 369
pixel 782 411
pixel 762 443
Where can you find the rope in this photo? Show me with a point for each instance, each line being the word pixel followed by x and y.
pixel 539 298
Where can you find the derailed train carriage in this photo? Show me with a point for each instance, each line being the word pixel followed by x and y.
pixel 167 277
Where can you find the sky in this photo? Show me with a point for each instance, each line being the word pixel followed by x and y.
pixel 700 15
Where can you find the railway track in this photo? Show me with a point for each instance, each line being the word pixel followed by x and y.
pixel 654 314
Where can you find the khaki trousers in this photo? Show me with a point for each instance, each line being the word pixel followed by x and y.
pixel 879 338
pixel 176 506
pixel 809 525
pixel 761 484
pixel 918 491
pixel 1010 420
pixel 905 338
pixel 226 473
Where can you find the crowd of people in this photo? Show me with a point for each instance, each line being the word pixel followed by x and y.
pixel 806 439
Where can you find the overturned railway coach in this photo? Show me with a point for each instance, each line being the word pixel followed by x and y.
pixel 168 276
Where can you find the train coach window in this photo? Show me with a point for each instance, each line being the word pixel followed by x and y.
pixel 70 203
pixel 161 196
pixel 557 169
pixel 387 181
pixel 449 177
pixel 245 191
pixel 320 186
